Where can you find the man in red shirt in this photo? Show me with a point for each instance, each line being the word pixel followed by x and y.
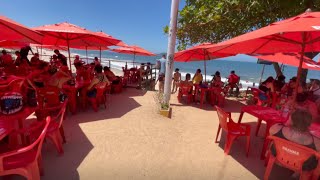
pixel 233 81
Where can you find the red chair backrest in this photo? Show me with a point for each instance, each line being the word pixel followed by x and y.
pixel 223 118
pixel 38 143
pixel 290 154
pixel 101 88
pixel 48 96
pixel 61 115
pixel 185 89
pixel 16 85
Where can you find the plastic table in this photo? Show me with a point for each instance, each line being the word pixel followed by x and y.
pixel 267 114
pixel 72 92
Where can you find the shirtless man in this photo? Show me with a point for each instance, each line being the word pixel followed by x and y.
pixel 176 80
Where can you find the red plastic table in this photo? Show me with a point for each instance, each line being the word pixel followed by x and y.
pixel 9 122
pixel 72 92
pixel 267 114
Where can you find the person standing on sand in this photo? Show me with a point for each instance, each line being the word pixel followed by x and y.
pixel 96 61
pixel 176 80
pixel 163 61
pixel 24 54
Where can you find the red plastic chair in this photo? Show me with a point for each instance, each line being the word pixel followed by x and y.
pixel 25 161
pixel 48 97
pixel 185 90
pixel 55 131
pixel 100 96
pixel 290 155
pixel 233 130
pixel 218 97
pixel 316 173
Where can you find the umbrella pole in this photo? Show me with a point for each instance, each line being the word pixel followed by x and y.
pixel 205 65
pixel 134 58
pixel 205 71
pixel 100 55
pixel 87 54
pixel 262 72
pixel 69 56
pixel 300 65
pixel 41 51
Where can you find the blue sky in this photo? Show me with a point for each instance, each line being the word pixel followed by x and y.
pixel 137 22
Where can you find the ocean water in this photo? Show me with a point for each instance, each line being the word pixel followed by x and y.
pixel 244 66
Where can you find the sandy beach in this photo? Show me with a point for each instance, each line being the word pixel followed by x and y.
pixel 130 140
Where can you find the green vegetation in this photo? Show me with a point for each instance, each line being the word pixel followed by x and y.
pixel 217 20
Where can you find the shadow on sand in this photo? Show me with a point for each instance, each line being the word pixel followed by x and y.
pixel 78 145
pixel 253 163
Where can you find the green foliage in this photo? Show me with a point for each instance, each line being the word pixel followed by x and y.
pixel 217 20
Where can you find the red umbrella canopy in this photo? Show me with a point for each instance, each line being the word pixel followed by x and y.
pixel 135 50
pixel 292 59
pixel 13 44
pixel 66 34
pixel 111 40
pixel 91 48
pixel 197 53
pixel 18 45
pixel 13 31
pixel 296 34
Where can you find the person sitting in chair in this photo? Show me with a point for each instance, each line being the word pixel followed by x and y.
pixel 99 78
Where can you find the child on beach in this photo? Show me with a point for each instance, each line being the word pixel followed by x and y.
pixel 176 80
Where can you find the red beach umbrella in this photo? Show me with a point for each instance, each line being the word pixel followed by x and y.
pixel 198 53
pixel 13 44
pixel 291 59
pixel 135 50
pixel 13 31
pixel 297 34
pixel 70 35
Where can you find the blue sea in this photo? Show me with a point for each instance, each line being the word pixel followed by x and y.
pixel 245 66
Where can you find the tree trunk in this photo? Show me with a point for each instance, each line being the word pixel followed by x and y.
pixel 277 69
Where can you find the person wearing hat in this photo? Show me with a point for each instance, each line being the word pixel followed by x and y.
pixel 176 80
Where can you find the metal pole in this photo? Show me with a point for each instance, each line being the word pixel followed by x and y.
pixel 41 52
pixel 109 64
pixel 69 56
pixel 300 65
pixel 205 65
pixel 205 71
pixel 87 54
pixel 100 55
pixel 262 72
pixel 170 50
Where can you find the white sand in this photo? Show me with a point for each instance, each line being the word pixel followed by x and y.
pixel 130 140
